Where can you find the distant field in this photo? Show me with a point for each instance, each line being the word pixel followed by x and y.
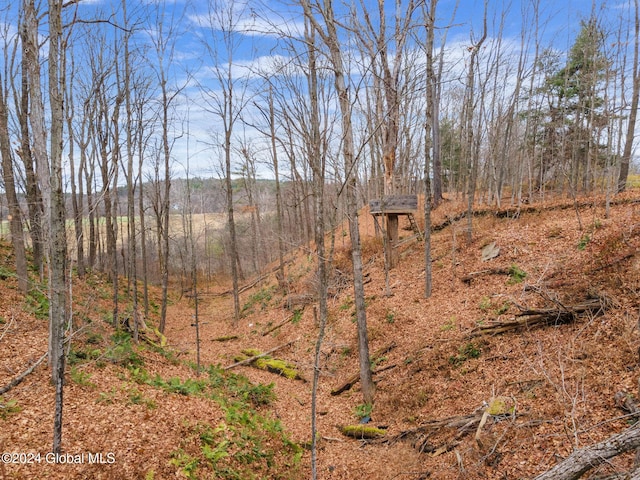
pixel 210 221
pixel 633 181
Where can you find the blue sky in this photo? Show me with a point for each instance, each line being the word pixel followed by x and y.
pixel 199 53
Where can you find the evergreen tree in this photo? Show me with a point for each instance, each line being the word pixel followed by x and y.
pixel 575 115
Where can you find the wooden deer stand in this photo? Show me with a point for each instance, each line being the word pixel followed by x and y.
pixel 391 207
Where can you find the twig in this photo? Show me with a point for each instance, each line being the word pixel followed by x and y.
pixel 614 262
pixel 287 320
pixel 16 381
pixel 6 329
pixel 356 377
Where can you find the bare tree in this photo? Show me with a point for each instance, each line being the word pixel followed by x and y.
pixel 429 144
pixel 76 189
pixel 276 172
pixel 227 104
pixel 164 42
pixel 470 138
pixel 434 91
pixel 388 51
pixel 329 35
pixel 633 112
pixel 15 222
pixel 8 174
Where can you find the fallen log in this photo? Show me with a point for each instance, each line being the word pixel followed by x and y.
pixel 16 381
pixel 274 365
pixel 225 338
pixel 439 436
pixel 489 271
pixel 246 361
pixel 362 432
pixel 242 289
pixel 583 460
pixel 351 381
pixel 615 262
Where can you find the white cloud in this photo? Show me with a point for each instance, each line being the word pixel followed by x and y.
pixel 247 21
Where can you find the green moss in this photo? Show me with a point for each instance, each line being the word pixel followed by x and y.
pixel 362 431
pixel 274 365
pixel 282 367
pixel 500 406
pixel 251 352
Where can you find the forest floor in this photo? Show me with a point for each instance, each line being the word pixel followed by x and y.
pixel 545 381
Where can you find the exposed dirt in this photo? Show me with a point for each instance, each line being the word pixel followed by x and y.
pixel 557 382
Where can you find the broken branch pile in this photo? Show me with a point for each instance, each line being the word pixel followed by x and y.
pixel 428 437
pixel 556 315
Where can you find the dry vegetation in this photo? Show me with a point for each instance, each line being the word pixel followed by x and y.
pixel 543 390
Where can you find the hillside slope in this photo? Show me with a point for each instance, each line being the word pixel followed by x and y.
pixel 547 386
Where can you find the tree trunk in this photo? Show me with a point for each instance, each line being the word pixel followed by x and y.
pixel 317 164
pixel 279 219
pixel 35 203
pixel 58 279
pixel 429 144
pixel 131 265
pixel 76 199
pixel 15 221
pixel 234 258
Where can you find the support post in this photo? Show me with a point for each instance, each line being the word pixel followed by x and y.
pixel 392 238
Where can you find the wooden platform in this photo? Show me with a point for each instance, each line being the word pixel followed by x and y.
pixel 394 204
pixel 390 208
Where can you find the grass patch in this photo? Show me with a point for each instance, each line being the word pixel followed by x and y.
pixel 516 274
pixel 465 352
pixel 261 298
pixel 37 303
pixel 245 444
pixel 83 355
pixel 81 377
pixel 363 410
pixel 390 317
pixel 633 181
pixel 8 408
pixel 297 316
pixel 584 241
pixel 136 397
pixel 6 273
pixel 449 325
pixel 122 351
